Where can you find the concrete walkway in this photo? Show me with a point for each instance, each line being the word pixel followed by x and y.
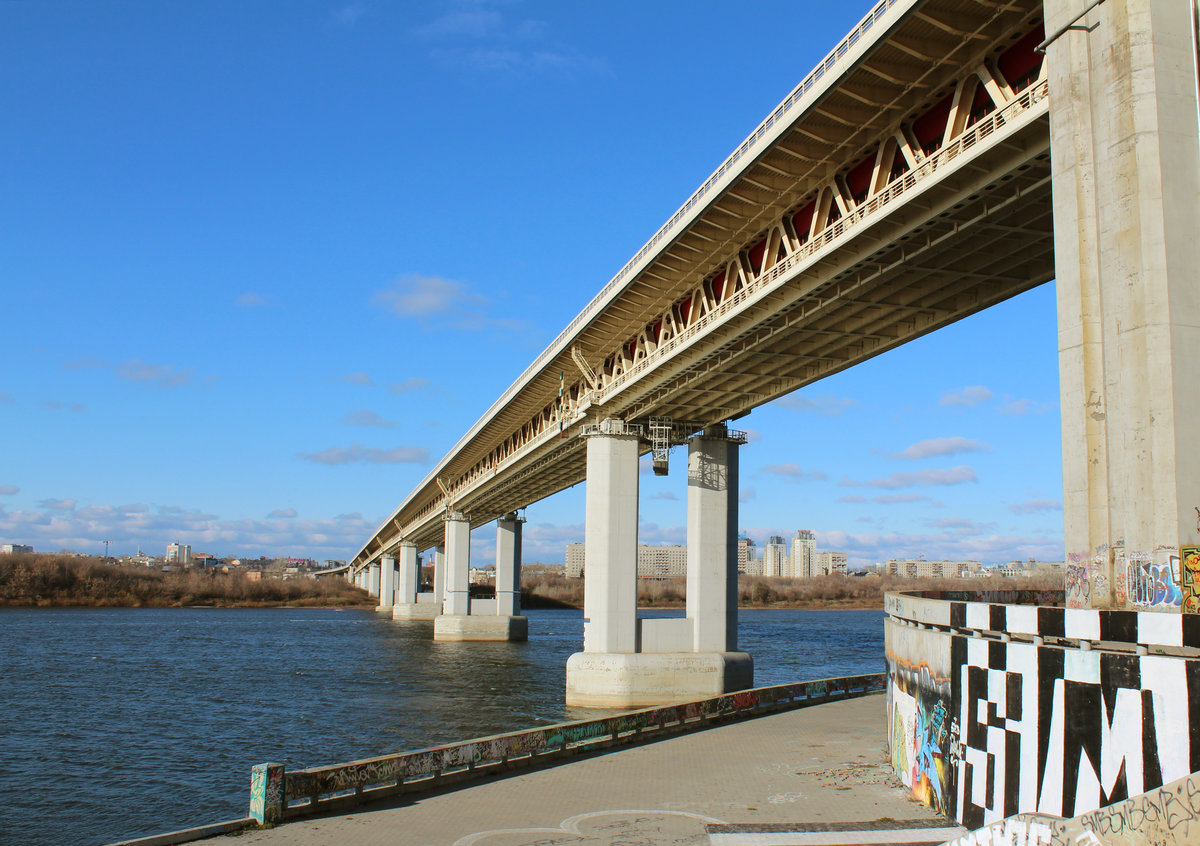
pixel 826 763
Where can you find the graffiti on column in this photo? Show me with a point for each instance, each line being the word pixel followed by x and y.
pixel 1152 579
pixel 1078 581
pixel 1189 578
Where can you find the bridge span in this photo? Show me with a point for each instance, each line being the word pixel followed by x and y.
pixel 904 184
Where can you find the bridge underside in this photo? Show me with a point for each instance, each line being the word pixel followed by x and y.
pixel 960 247
pixel 787 302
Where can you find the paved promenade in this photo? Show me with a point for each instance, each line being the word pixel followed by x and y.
pixel 821 764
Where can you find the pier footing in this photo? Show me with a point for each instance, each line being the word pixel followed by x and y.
pixel 480 627
pixel 416 610
pixel 642 679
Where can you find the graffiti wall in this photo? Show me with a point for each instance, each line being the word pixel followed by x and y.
pixel 1022 727
pixel 921 726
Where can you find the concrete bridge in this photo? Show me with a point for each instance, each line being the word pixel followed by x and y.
pixel 945 156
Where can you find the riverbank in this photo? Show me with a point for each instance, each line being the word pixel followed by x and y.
pixel 64 581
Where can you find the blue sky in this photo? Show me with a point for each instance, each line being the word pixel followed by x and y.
pixel 262 263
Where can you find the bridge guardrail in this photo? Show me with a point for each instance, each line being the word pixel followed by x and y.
pixel 277 795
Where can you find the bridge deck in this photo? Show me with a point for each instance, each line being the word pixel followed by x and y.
pixel 813 765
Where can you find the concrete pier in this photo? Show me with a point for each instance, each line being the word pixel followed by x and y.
pixel 411 604
pixel 387 583
pixel 627 662
pixel 461 619
pixel 1125 155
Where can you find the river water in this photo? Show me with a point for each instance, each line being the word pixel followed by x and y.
pixel 126 722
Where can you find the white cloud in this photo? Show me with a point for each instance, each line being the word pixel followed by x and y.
pixel 413 384
pixel 896 499
pixel 794 473
pixel 163 375
pixel 1035 506
pixel 747 494
pixel 966 542
pixel 366 417
pixel 348 16
pixel 9 490
pixel 1021 407
pixel 941 446
pixel 250 300
pixel 413 295
pixel 546 543
pixel 6 397
pixel 442 303
pixel 58 504
pixel 853 498
pixel 357 453
pixel 969 396
pixel 948 476
pixel 667 495
pixel 466 23
pixel 826 404
pixel 359 378
pixel 136 370
pixel 130 526
pixel 55 405
pixel 282 514
pixel 481 38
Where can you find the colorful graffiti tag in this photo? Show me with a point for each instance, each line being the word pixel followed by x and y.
pixel 1152 580
pixel 922 737
pixel 1079 581
pixel 1189 578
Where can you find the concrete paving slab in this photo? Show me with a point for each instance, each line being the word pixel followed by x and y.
pixel 827 763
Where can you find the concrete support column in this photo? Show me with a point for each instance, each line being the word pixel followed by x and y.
pixel 456 621
pixel 458 564
pixel 508 565
pixel 411 604
pixel 1125 156
pixel 610 541
pixel 439 573
pixel 409 576
pixel 630 663
pixel 712 524
pixel 387 582
pixel 373 579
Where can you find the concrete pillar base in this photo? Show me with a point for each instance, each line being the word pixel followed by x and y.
pixel 481 627
pixel 416 610
pixel 638 680
pixel 384 609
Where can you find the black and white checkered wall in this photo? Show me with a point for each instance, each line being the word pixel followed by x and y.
pixel 1063 725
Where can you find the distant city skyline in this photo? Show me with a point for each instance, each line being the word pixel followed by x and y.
pixel 249 309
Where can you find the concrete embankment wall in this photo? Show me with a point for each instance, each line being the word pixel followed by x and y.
pixel 997 708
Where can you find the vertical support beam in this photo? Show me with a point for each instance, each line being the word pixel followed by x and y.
pixel 458 564
pixel 387 582
pixel 373 579
pixel 712 518
pixel 1126 175
pixel 610 541
pixel 439 573
pixel 508 565
pixel 409 575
